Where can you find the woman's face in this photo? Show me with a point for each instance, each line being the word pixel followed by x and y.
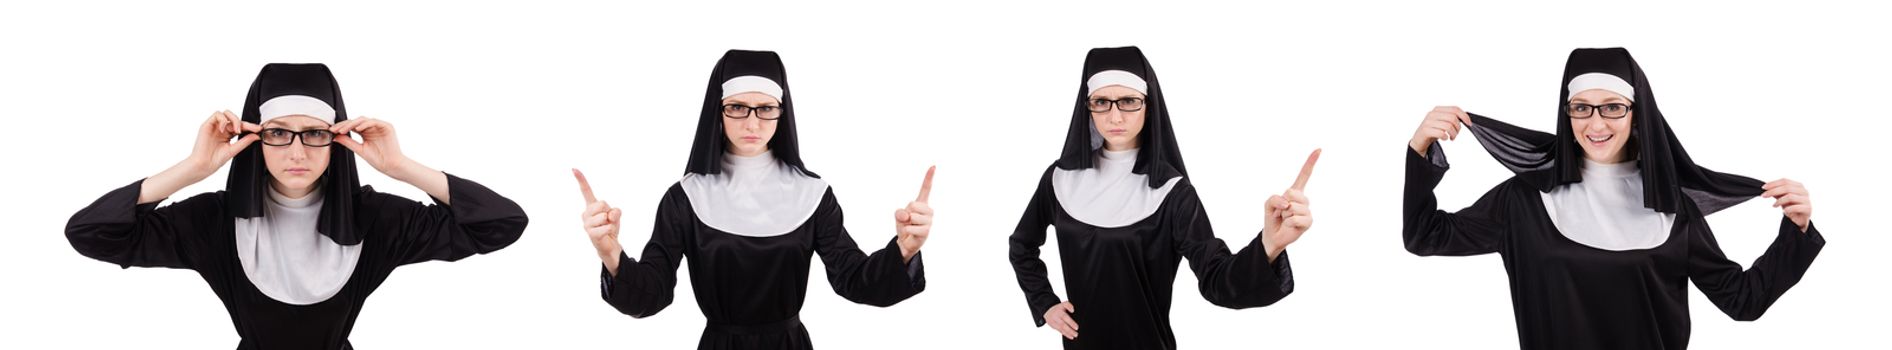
pixel 1602 134
pixel 294 168
pixel 1119 128
pixel 749 134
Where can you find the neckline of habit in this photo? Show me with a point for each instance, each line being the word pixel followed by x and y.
pixel 745 166
pixel 1603 170
pixel 1109 160
pixel 314 198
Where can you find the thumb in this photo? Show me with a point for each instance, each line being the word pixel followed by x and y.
pixel 615 215
pixel 902 216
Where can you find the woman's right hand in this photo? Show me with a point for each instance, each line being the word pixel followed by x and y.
pixel 1442 123
pixel 601 223
pixel 214 147
pixel 1059 318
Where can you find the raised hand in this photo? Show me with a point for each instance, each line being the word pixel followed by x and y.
pixel 1442 123
pixel 214 147
pixel 601 223
pixel 913 223
pixel 210 151
pixel 1059 318
pixel 378 146
pixel 1791 197
pixel 1288 213
pixel 382 150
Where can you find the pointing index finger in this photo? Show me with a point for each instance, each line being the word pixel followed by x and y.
pixel 584 186
pixel 926 188
pixel 1307 170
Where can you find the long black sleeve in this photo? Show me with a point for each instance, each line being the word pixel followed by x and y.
pixel 880 279
pixel 642 288
pixel 1242 280
pixel 1477 229
pixel 478 221
pixel 1745 295
pixel 118 230
pixel 1033 277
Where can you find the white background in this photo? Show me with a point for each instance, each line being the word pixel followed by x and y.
pixel 98 95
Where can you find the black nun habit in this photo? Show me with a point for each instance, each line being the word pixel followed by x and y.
pixel 1125 220
pixel 749 226
pixel 1599 255
pixel 294 272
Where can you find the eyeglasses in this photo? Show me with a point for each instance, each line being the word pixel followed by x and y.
pixel 1127 104
pixel 736 111
pixel 283 137
pixel 1608 110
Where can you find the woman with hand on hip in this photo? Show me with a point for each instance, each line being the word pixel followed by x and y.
pixel 1126 216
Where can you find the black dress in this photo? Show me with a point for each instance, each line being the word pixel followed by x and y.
pixel 1567 295
pixel 751 288
pixel 197 234
pixel 1120 279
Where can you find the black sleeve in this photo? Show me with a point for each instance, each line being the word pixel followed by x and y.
pixel 1033 277
pixel 1236 281
pixel 1745 295
pixel 118 230
pixel 642 288
pixel 880 279
pixel 1477 229
pixel 478 221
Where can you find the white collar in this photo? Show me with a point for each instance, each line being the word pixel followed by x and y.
pixel 754 196
pixel 1109 194
pixel 284 256
pixel 1605 210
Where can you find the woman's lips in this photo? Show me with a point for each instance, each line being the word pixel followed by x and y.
pixel 1116 131
pixel 752 138
pixel 296 171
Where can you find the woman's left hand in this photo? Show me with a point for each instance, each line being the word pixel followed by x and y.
pixel 378 145
pixel 1288 215
pixel 913 223
pixel 382 150
pixel 1791 197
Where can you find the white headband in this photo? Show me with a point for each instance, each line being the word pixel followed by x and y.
pixel 1601 81
pixel 1116 77
pixel 288 105
pixel 751 83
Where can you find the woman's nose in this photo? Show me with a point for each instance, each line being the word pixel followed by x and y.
pixel 297 151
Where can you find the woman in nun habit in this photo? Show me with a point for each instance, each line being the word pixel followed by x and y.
pixel 1126 215
pixel 294 245
pixel 749 215
pixel 1603 224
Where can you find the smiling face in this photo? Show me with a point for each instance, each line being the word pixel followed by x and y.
pixel 750 136
pixel 294 168
pixel 1119 128
pixel 1603 138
